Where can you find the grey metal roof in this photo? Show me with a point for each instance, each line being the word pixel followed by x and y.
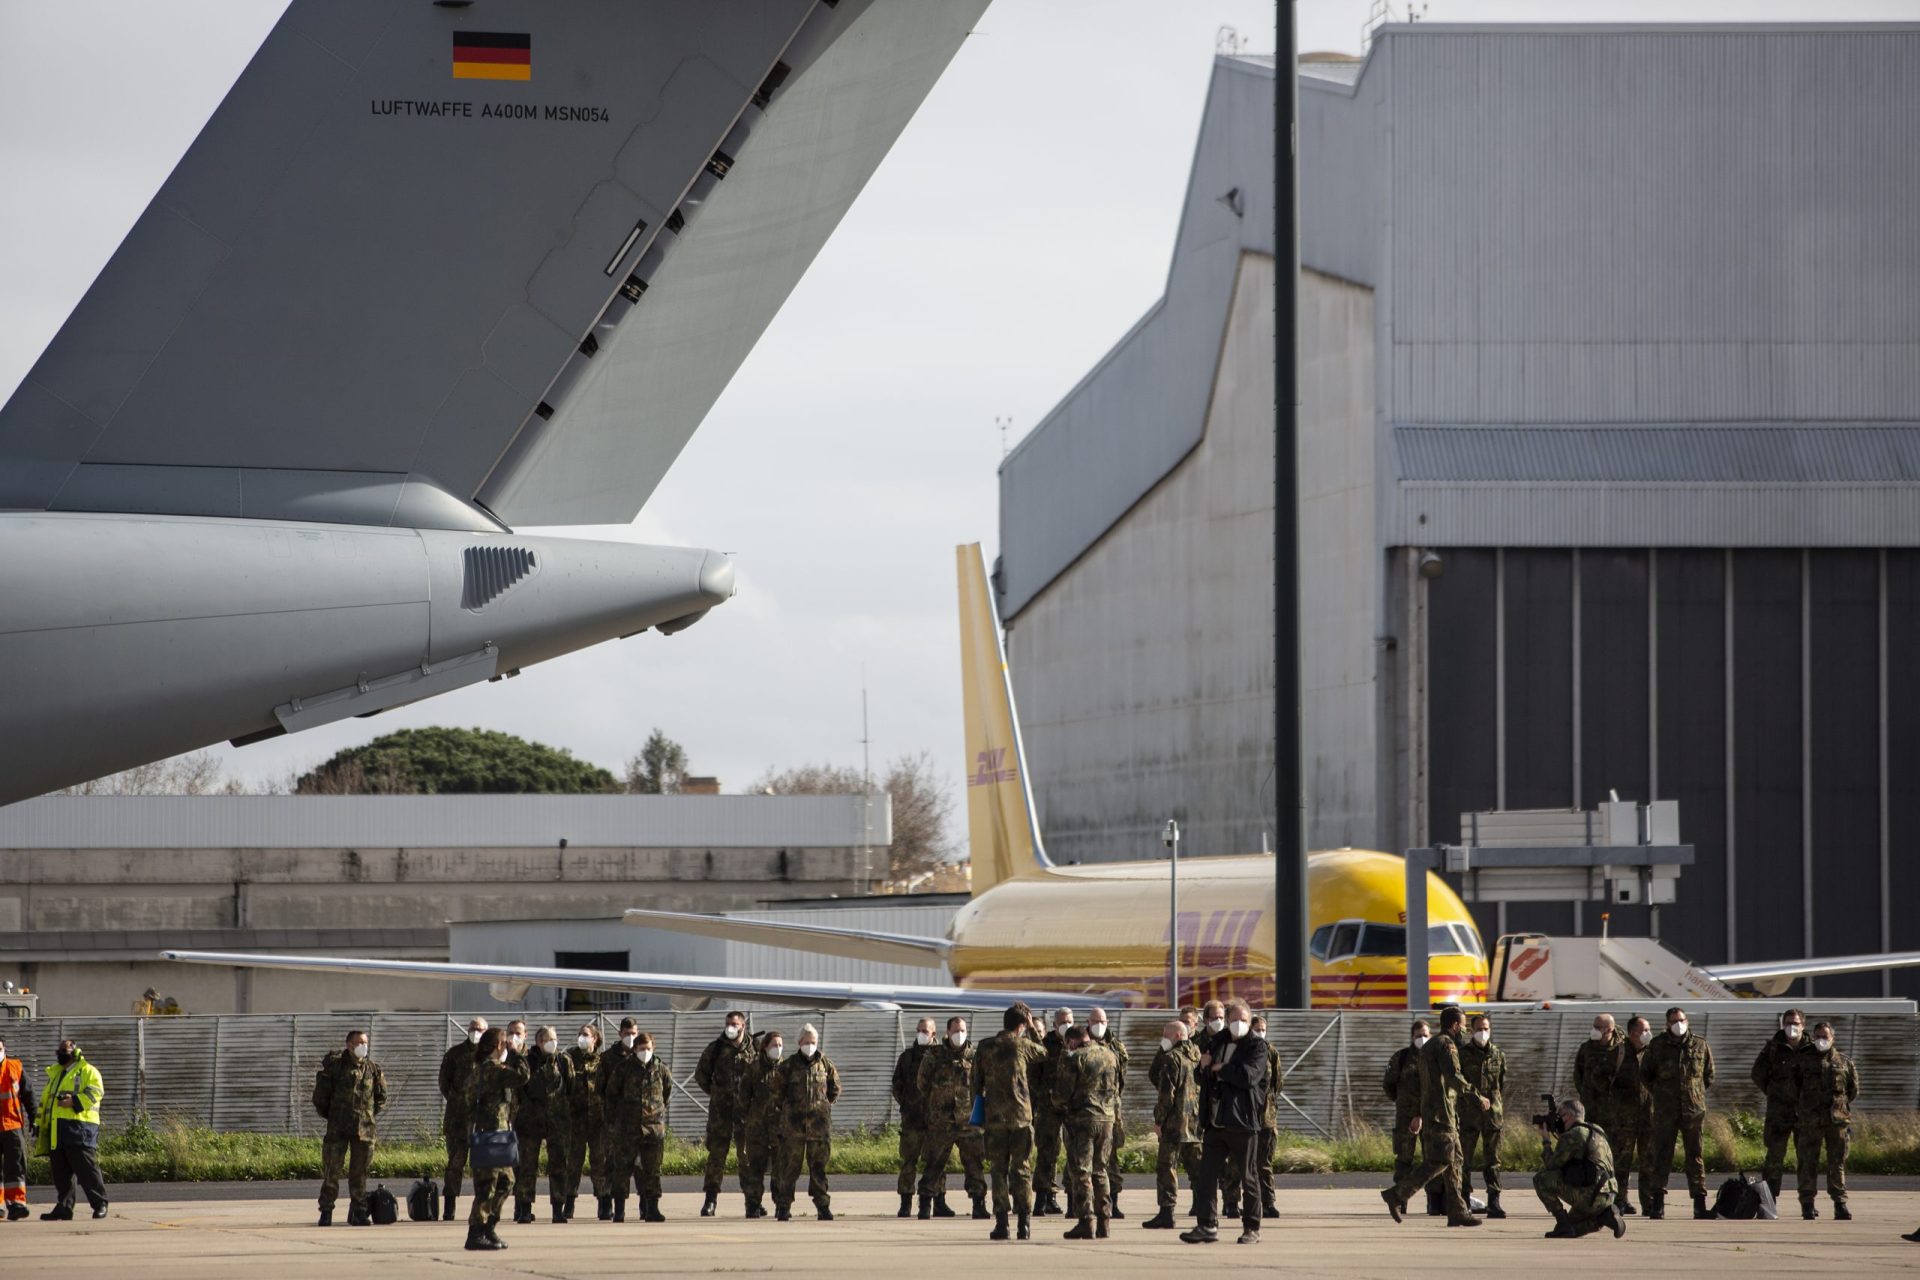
pixel 1665 452
pixel 447 822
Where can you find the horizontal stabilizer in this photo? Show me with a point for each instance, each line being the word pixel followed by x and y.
pixel 1774 976
pixel 855 944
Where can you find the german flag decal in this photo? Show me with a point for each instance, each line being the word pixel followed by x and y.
pixel 492 55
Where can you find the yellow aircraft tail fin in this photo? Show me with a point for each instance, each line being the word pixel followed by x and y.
pixel 1002 832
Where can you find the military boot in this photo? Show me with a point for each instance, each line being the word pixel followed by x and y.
pixel 650 1209
pixel 940 1209
pixel 906 1205
pixel 559 1210
pixel 1624 1205
pixel 1161 1221
pixel 1082 1230
pixel 1773 1185
pixel 1809 1210
pixel 783 1213
pixel 999 1231
pixel 1113 1206
pixel 492 1232
pixel 821 1211
pixel 523 1213
pixel 1841 1213
pixel 619 1208
pixel 326 1215
pixel 980 1213
pixel 1395 1205
pixel 926 1207
pixel 567 1209
pixel 1561 1229
pixel 1700 1209
pixel 1099 1228
pixel 1436 1203
pixel 1655 1208
pixel 357 1216
pixel 1493 1205
pixel 711 1205
pixel 1614 1222
pixel 478 1239
pixel 604 1208
pixel 446 1207
pixel 1463 1220
pixel 1047 1206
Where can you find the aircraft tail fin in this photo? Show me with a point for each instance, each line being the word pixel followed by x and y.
pixel 1003 832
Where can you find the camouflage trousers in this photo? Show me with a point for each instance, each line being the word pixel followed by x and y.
pixel 1782 1123
pixel 933 1178
pixel 1010 1165
pixel 491 1187
pixel 1485 1139
pixel 913 1153
pixel 1626 1130
pixel 535 1134
pixel 795 1150
pixel 635 1158
pixel 1089 1153
pixel 1406 1148
pixel 586 1152
pixel 1269 1144
pixel 1115 1183
pixel 1808 1140
pixel 1046 1151
pixel 762 1150
pixel 1439 1158
pixel 454 1128
pixel 1173 1157
pixel 724 1131
pixel 1583 1206
pixel 1656 1161
pixel 348 1155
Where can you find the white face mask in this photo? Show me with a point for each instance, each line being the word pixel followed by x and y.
pixel 732 1031
pixel 359 1051
pixel 1418 1041
pixel 1596 1033
pixel 807 1050
pixel 549 1046
pixel 1645 1038
pixel 585 1042
pixel 1793 1030
pixel 1679 1029
pixel 645 1056
pixel 1217 1025
pixel 1237 1028
pixel 1098 1030
pixel 1481 1037
pixel 1260 1034
pixel 774 1051
pixel 1165 1044
pixel 627 1040
pixel 957 1039
pixel 1823 1044
pixel 923 1037
pixel 473 1037
pixel 518 1040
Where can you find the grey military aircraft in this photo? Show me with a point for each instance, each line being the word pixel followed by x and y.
pixel 434 268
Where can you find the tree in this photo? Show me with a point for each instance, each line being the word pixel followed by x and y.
pixel 922 807
pixel 660 767
pixel 444 761
pixel 198 774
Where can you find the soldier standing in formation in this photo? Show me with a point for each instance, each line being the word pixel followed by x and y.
pixel 1402 1084
pixel 1176 1118
pixel 456 1065
pixel 805 1088
pixel 1484 1065
pixel 495 1087
pixel 1776 1073
pixel 763 1123
pixel 1624 1117
pixel 584 1120
pixel 349 1090
pixel 1443 1091
pixel 607 1141
pixel 637 1089
pixel 1602 1040
pixel 1097 1029
pixel 913 1112
pixel 1006 1072
pixel 946 1085
pixel 1084 1088
pixel 1827 1086
pixel 1677 1069
pixel 543 1122
pixel 1576 1178
pixel 1047 1122
pixel 722 1076
pixel 1269 1142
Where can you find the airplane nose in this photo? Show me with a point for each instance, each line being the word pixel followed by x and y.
pixel 716 577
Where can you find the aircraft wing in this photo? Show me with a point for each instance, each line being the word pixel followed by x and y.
pixel 511 982
pixel 856 944
pixel 1777 974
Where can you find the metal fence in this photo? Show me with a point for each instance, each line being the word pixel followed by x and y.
pixel 254 1072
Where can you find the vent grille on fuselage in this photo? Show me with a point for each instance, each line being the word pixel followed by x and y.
pixel 491 570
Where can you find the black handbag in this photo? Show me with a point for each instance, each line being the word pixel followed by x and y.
pixel 493 1149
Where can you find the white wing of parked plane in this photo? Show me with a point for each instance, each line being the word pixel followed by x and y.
pixel 856 944
pixel 510 982
pixel 1775 976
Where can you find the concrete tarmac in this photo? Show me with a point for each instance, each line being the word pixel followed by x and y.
pixel 1341 1232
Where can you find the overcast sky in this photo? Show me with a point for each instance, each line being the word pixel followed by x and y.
pixel 1020 225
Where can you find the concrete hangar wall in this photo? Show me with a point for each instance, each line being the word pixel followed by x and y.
pixel 1623 324
pixel 92 887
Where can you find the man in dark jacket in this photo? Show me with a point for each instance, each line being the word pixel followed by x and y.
pixel 1233 1078
pixel 1776 1073
pixel 913 1112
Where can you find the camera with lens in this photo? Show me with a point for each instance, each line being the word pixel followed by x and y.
pixel 1552 1121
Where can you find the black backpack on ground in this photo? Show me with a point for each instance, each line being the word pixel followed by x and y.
pixel 423 1202
pixel 1745 1196
pixel 382 1207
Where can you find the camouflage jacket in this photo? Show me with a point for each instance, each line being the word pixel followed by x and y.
pixel 1402 1083
pixel 1585 1142
pixel 1486 1070
pixel 1828 1084
pixel 1056 1046
pixel 763 1117
pixel 906 1086
pixel 1444 1089
pixel 1086 1085
pixel 1594 1066
pixel 549 1081
pixel 1776 1072
pixel 804 1091
pixel 494 1092
pixel 1677 1074
pixel 456 1067
pixel 583 1084
pixel 722 1075
pixel 1276 1081
pixel 1008 1070
pixel 946 1084
pixel 1176 1107
pixel 349 1092
pixel 636 1096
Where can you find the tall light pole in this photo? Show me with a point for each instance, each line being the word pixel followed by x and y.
pixel 1172 839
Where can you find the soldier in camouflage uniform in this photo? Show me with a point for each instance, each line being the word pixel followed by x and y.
pixel 1176 1118
pixel 1484 1064
pixel 1776 1073
pixel 946 1084
pixel 1576 1178
pixel 606 1142
pixel 1085 1083
pixel 1047 1122
pixel 1602 1041
pixel 495 1087
pixel 1625 1118
pixel 722 1076
pixel 637 1090
pixel 913 1114
pixel 1402 1084
pixel 349 1090
pixel 1006 1073
pixel 1828 1084
pixel 456 1064
pixel 805 1088
pixel 763 1122
pixel 1677 1069
pixel 1097 1028
pixel 1443 1092
pixel 543 1122
pixel 585 1119
pixel 1269 1143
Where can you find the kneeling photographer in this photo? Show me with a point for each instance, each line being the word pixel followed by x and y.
pixel 1576 1182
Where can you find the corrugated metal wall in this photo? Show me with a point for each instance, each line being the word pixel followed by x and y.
pixel 253 1072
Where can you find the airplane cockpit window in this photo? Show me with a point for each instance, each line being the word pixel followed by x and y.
pixel 1470 943
pixel 1321 937
pixel 1346 940
pixel 1383 940
pixel 1442 940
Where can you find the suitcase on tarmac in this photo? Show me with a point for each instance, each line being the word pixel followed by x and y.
pixel 423 1201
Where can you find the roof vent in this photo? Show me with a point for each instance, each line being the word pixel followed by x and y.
pixel 490 570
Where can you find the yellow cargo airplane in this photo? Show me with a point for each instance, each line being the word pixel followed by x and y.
pixel 1042 933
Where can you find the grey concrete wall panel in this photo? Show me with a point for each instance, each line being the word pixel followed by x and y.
pixel 430 822
pixel 660 368
pixel 1144 406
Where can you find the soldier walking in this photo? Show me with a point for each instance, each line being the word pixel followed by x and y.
pixel 1484 1065
pixel 722 1076
pixel 542 1122
pixel 1827 1086
pixel 1006 1072
pixel 1084 1087
pixel 1047 1122
pixel 1097 1029
pixel 637 1089
pixel 763 1122
pixel 1443 1092
pixel 1625 1118
pixel 1678 1070
pixel 1269 1142
pixel 1402 1084
pixel 1176 1119
pixel 349 1090
pixel 913 1113
pixel 585 1119
pixel 805 1089
pixel 946 1085
pixel 1776 1073
pixel 456 1066
pixel 495 1087
pixel 1576 1179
